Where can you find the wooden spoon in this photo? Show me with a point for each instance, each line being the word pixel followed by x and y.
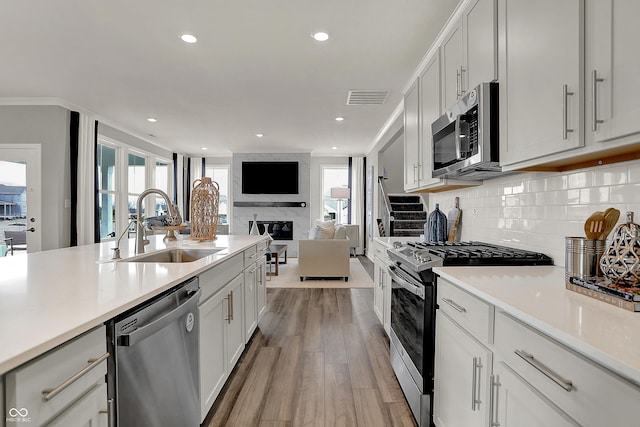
pixel 611 217
pixel 594 225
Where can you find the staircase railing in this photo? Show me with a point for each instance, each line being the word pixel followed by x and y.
pixel 387 211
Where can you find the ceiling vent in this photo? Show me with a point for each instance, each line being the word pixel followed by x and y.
pixel 367 97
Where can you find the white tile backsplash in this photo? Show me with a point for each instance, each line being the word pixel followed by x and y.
pixel 537 210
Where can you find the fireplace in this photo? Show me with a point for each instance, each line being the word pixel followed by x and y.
pixel 279 230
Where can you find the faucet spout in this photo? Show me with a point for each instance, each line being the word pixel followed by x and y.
pixel 173 218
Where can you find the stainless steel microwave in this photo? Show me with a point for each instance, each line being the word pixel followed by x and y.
pixel 465 137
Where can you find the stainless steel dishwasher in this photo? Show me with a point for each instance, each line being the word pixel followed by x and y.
pixel 153 376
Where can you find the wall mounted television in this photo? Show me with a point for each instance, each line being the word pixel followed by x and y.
pixel 270 177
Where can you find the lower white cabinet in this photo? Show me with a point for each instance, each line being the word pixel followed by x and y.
pixel 88 411
pixel 517 403
pixel 250 300
pixel 36 394
pixel 382 286
pixel 261 288
pixel 221 340
pixel 462 369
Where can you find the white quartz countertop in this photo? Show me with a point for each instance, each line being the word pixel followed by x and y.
pixel 49 297
pixel 537 296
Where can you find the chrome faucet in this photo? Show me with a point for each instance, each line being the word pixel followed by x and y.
pixel 173 218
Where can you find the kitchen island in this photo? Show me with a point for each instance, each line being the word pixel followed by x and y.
pixel 50 297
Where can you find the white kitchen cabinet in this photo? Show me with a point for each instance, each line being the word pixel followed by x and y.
pixel 469 51
pixel 382 287
pixel 221 339
pixel 261 290
pixel 540 70
pixel 83 358
pixel 463 366
pixel 611 39
pixel 250 301
pixel 412 159
pixel 88 411
pixel 516 403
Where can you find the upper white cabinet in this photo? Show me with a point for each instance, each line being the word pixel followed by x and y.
pixel 412 158
pixel 613 61
pixel 469 51
pixel 540 70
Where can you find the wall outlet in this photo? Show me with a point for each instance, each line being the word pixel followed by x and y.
pixel 67 203
pixel 474 211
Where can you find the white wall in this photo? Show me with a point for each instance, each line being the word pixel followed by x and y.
pixel 538 210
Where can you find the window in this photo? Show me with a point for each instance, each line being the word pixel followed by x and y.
pixel 335 176
pixel 106 162
pixel 220 174
pixel 123 174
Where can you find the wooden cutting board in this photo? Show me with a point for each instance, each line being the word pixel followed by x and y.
pixel 453 220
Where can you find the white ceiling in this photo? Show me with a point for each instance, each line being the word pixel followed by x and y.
pixel 254 69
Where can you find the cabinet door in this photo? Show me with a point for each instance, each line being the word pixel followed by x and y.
pixel 213 314
pixel 480 43
pixel 250 300
pixel 411 137
pixel 235 326
pixel 516 403
pixel 540 72
pixel 386 289
pixel 452 69
pixel 378 289
pixel 430 101
pixel 88 411
pixel 612 36
pixel 462 369
pixel 261 297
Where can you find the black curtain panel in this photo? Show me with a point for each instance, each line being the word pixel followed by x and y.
pixel 175 178
pixel 204 164
pixel 350 184
pixel 96 209
pixel 74 129
pixel 187 189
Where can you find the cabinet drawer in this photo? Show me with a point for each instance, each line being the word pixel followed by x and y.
pixel 250 255
pixel 586 391
pixel 24 385
pixel 214 279
pixel 473 314
pixel 262 247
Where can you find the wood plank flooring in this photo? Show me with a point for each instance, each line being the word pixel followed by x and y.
pixel 319 358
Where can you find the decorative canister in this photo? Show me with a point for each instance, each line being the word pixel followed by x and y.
pixel 621 260
pixel 436 226
pixel 205 197
pixel 582 257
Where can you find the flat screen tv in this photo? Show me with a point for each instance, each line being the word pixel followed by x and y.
pixel 270 177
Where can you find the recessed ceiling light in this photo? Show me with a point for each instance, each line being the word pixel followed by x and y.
pixel 334 148
pixel 188 38
pixel 339 119
pixel 203 148
pixel 321 36
pixel 152 120
pixel 259 135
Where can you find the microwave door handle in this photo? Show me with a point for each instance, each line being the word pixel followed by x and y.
pixel 457 137
pixel 416 290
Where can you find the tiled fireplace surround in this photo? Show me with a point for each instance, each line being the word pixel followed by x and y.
pixel 537 210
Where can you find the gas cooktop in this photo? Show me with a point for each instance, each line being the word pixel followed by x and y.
pixel 422 255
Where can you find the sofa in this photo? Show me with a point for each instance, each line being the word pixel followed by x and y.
pixel 326 253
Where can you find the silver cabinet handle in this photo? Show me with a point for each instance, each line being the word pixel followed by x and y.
pixel 475 384
pixel 228 319
pixel 565 111
pixel 455 305
pixel 495 385
pixel 565 384
pixel 230 306
pixel 50 393
pixel 594 99
pixel 415 175
pixel 462 91
pixel 458 80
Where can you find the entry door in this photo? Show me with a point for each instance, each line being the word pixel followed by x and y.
pixel 20 192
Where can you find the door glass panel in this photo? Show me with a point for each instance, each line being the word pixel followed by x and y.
pixel 107 215
pixel 106 168
pixel 13 207
pixel 136 167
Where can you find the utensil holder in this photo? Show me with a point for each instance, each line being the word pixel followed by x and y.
pixel 582 257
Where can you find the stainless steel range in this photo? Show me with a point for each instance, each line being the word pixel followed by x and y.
pixel 413 307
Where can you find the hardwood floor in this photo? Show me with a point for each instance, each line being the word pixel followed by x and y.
pixel 319 358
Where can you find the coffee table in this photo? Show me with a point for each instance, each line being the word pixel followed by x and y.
pixel 278 251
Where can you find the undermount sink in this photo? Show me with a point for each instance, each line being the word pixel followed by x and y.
pixel 174 255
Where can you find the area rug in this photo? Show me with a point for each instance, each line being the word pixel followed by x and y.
pixel 289 277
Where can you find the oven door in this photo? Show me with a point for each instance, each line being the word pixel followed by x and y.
pixel 413 324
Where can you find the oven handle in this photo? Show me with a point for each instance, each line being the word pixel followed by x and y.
pixel 416 290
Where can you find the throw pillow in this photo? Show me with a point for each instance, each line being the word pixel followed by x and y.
pixel 341 232
pixel 326 224
pixel 325 233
